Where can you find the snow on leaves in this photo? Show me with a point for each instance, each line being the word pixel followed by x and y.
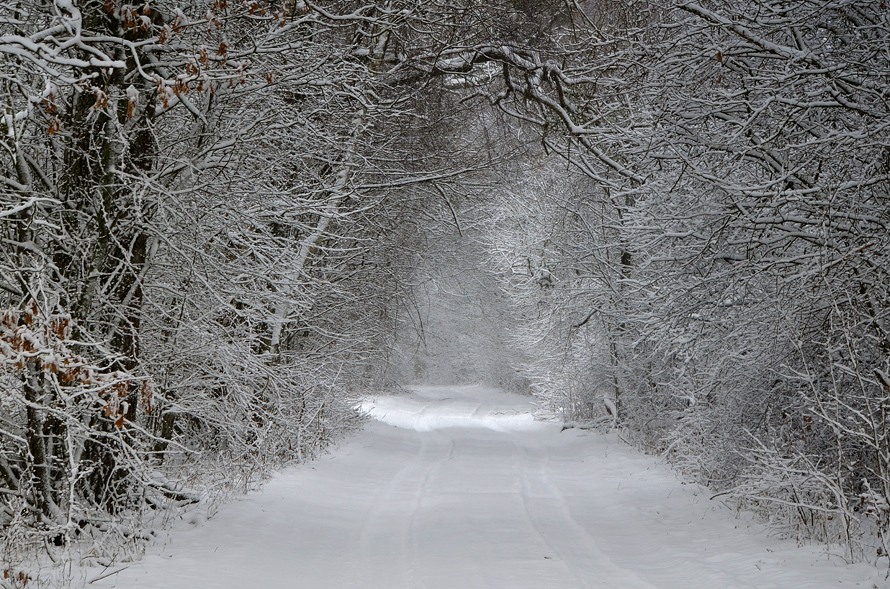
pixel 32 343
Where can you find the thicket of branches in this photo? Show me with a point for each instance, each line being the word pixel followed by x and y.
pixel 202 207
pixel 720 273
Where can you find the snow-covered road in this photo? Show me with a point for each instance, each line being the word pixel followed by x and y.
pixel 460 488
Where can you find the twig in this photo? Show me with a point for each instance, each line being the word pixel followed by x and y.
pixel 100 577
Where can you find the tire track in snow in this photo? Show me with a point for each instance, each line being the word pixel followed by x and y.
pixel 548 511
pixel 387 532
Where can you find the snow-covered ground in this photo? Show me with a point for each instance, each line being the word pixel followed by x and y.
pixel 460 488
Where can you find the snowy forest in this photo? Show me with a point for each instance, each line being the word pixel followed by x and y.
pixel 224 220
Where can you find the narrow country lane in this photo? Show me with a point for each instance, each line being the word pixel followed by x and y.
pixel 460 488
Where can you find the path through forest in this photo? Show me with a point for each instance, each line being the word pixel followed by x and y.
pixel 461 488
